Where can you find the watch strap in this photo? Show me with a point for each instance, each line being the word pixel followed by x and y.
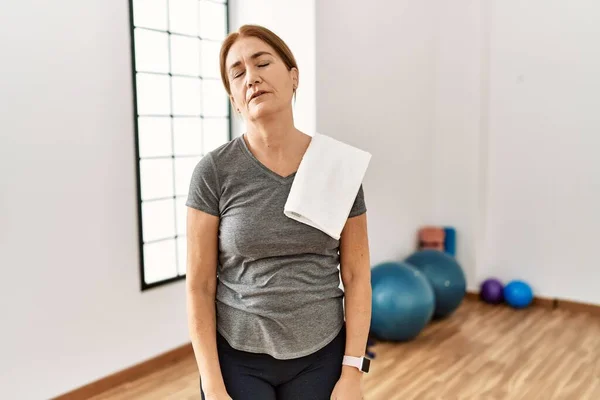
pixel 361 363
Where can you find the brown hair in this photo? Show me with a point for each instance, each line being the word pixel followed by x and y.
pixel 263 34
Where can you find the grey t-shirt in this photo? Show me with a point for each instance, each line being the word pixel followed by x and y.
pixel 277 279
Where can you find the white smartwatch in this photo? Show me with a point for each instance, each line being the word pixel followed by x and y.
pixel 362 363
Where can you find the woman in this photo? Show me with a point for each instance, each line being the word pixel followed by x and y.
pixel 266 313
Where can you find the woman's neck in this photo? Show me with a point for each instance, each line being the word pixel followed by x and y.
pixel 274 135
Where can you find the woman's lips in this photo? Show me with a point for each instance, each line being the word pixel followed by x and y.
pixel 258 94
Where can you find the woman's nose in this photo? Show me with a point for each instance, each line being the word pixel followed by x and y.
pixel 253 77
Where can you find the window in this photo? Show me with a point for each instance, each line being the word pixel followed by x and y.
pixel 181 113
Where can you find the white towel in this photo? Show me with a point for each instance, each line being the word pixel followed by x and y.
pixel 326 184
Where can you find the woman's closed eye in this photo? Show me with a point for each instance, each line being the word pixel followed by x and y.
pixel 238 74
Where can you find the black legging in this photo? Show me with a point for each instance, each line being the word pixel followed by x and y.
pixel 252 376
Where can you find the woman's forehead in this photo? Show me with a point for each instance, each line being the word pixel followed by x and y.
pixel 245 48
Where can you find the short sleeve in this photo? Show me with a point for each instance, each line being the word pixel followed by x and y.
pixel 359 207
pixel 204 189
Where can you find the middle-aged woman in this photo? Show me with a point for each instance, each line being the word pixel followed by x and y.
pixel 267 317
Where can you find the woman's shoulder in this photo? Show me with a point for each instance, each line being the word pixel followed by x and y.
pixel 224 148
pixel 219 156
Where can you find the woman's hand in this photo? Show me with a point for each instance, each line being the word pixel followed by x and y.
pixel 348 388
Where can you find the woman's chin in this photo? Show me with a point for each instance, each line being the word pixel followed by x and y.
pixel 262 110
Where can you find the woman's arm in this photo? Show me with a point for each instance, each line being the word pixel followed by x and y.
pixel 201 285
pixel 355 268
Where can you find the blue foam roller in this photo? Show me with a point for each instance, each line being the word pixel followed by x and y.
pixel 450 242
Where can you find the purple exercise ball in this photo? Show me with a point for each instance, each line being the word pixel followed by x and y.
pixel 492 291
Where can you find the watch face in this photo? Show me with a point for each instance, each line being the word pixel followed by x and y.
pixel 366 363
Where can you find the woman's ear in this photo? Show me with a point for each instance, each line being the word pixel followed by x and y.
pixel 295 77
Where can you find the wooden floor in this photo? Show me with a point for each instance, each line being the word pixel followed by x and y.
pixel 480 352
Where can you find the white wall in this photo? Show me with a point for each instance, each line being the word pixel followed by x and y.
pixel 375 91
pixel 71 306
pixel 544 141
pixel 459 80
pixel 480 115
pixel 294 22
pixel 516 139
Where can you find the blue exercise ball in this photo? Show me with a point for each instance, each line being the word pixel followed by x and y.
pixel 518 294
pixel 402 301
pixel 445 276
